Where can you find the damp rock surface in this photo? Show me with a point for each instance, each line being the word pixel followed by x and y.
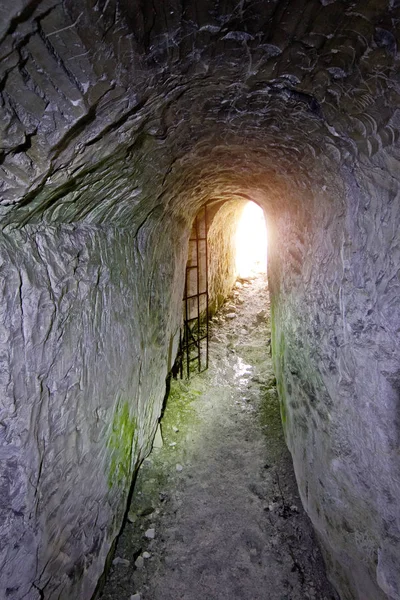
pixel 74 335
pixel 128 116
pixel 230 523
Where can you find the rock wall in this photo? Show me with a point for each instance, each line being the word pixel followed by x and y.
pixel 222 252
pixel 87 326
pixel 335 293
pixel 118 121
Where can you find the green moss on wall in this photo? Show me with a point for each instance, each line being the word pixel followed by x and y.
pixel 282 398
pixel 278 352
pixel 121 445
pixel 273 323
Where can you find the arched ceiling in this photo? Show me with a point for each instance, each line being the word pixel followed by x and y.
pixel 109 104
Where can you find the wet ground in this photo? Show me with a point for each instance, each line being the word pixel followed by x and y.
pixel 216 513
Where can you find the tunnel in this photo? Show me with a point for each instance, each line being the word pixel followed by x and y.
pixel 120 121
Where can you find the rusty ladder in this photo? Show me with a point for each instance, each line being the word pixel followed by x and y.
pixel 193 343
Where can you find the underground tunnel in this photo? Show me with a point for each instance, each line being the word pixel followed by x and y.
pixel 120 121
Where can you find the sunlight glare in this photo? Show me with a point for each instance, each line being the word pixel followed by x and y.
pixel 251 242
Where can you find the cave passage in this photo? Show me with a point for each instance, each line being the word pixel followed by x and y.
pixel 220 496
pixel 251 241
pixel 119 121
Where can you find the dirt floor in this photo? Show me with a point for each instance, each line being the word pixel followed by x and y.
pixel 220 496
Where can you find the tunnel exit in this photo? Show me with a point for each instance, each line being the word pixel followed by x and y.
pixel 251 242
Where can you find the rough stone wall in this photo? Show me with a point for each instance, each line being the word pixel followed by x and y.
pixel 117 114
pixel 222 252
pixel 336 332
pixel 87 326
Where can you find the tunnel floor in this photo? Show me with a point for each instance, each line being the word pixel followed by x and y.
pixel 220 494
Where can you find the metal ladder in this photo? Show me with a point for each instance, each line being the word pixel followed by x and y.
pixel 193 342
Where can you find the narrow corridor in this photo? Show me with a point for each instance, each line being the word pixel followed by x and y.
pixel 215 513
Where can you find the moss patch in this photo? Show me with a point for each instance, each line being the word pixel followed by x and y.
pixel 178 410
pixel 281 394
pixel 121 445
pixel 278 351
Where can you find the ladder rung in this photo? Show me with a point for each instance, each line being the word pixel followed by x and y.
pixel 190 344
pixel 195 296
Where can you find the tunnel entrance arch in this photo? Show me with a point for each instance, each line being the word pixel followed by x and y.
pixel 227 241
pixel 251 241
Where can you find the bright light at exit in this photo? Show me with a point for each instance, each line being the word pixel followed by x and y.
pixel 251 242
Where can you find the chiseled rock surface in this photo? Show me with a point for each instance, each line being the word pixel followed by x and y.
pixel 222 252
pixel 118 120
pixel 81 323
pixel 336 359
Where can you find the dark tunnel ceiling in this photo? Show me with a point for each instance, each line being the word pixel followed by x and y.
pixel 109 104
